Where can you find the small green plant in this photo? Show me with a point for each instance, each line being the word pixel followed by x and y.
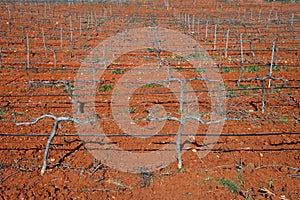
pixel 226 70
pixel 252 68
pixel 279 68
pixel 208 178
pixel 271 183
pixel 240 179
pixel 95 59
pixel 233 187
pixel 117 71
pixel 245 88
pixel 231 94
pixel 131 109
pixel 150 50
pixel 286 68
pixel 152 85
pixel 246 93
pixel 250 165
pixel 1 114
pixel 197 56
pixel 178 58
pixel 276 69
pixel 275 91
pixel 179 112
pixel 181 170
pixel 283 120
pixel 106 88
pixel 3 166
pixel 199 70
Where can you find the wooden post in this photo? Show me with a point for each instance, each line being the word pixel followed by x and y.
pixel 71 30
pixel 271 65
pixel 226 48
pixel 61 35
pixel 242 60
pixel 215 36
pixel 44 42
pixel 28 59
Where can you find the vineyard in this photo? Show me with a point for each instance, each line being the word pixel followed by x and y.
pixel 149 99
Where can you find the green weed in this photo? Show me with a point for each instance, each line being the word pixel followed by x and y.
pixel 286 68
pixel 276 69
pixel 271 183
pixel 117 71
pixel 95 59
pixel 152 85
pixel 250 165
pixel 283 120
pixel 245 88
pixel 150 50
pixel 208 178
pixel 253 68
pixel 179 58
pixel 1 114
pixel 197 56
pixel 240 179
pixel 131 109
pixel 3 166
pixel 275 91
pixel 231 94
pixel 106 88
pixel 199 70
pixel 226 70
pixel 233 187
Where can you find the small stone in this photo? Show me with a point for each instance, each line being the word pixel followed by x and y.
pixel 283 169
pixel 282 197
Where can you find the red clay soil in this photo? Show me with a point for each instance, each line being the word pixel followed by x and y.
pixel 257 155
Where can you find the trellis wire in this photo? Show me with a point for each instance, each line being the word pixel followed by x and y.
pixel 150 135
pixel 242 60
pixel 271 65
pixel 28 58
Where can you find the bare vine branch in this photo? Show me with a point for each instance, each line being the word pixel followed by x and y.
pixel 57 120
